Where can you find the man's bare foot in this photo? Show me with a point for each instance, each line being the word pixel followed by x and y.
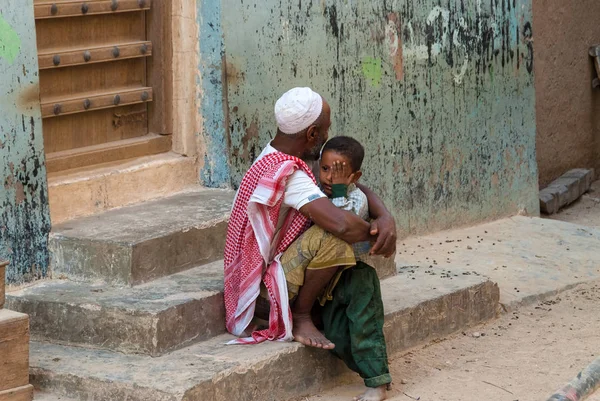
pixel 373 394
pixel 306 333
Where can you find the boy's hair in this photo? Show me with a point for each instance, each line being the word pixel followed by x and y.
pixel 348 147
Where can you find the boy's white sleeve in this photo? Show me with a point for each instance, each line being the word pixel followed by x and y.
pixel 343 203
pixel 355 202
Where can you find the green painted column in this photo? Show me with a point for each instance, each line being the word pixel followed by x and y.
pixel 24 212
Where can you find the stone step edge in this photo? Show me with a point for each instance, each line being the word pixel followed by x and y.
pixel 143 242
pixel 101 317
pixel 427 315
pixel 136 320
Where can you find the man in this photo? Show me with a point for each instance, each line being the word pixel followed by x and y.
pixel 271 258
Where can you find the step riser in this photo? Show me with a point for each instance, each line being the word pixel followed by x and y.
pixel 442 316
pixel 128 332
pixel 301 370
pixel 14 351
pixel 123 264
pixel 101 189
pixel 141 243
pixel 78 388
pixel 23 393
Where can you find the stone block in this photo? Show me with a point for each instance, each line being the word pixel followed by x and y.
pixel 2 283
pixel 578 173
pixel 24 393
pixel 584 176
pixel 548 201
pixel 14 350
pixel 572 193
pixel 565 189
pixel 141 243
pixel 561 192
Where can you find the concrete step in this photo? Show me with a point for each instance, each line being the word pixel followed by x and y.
pixel 44 396
pixel 96 189
pixel 151 319
pixel 143 242
pixel 419 307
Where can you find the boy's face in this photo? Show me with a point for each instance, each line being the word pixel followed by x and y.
pixel 328 158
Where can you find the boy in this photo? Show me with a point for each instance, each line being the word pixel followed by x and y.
pixel 353 316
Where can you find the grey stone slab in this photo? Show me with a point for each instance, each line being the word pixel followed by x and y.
pixel 152 318
pixel 565 190
pixel 419 307
pixel 572 184
pixel 584 176
pixel 548 201
pixel 140 243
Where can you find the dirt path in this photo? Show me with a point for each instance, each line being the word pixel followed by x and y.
pixel 524 356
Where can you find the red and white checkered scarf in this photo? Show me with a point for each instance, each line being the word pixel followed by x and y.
pixel 252 248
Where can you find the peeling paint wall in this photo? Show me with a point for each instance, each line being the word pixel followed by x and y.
pixel 567 108
pixel 24 214
pixel 215 169
pixel 440 93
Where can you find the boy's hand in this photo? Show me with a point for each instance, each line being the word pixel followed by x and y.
pixel 340 173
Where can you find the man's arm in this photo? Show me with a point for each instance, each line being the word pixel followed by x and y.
pixel 383 226
pixel 342 224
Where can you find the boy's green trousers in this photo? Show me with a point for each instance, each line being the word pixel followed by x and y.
pixel 353 321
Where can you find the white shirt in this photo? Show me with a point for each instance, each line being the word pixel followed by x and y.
pixel 299 189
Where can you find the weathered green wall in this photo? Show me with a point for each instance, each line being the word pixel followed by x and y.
pixel 440 93
pixel 215 172
pixel 24 215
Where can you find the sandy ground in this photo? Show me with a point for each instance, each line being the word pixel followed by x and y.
pixel 525 355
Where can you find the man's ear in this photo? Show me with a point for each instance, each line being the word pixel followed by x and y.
pixel 357 176
pixel 312 133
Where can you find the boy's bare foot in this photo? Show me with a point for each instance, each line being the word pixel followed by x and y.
pixel 306 333
pixel 373 394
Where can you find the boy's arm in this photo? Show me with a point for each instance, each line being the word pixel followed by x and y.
pixel 383 226
pixel 355 201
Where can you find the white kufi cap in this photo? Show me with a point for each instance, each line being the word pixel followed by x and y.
pixel 297 109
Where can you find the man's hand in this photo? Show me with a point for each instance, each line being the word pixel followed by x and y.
pixel 341 173
pixel 384 228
